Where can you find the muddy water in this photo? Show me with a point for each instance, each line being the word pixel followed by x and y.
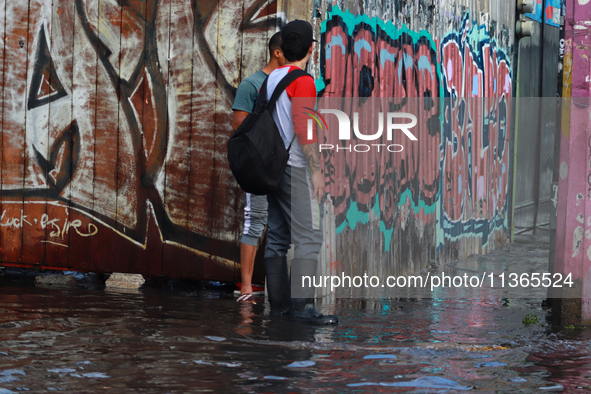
pixel 172 337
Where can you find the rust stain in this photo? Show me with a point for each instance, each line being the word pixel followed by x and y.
pixel 567 87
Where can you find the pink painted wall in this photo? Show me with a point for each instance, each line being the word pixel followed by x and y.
pixel 573 234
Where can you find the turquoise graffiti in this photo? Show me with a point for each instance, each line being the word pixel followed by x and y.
pixel 452 181
pixel 366 58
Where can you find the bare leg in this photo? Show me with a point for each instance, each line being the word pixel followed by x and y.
pixel 247 255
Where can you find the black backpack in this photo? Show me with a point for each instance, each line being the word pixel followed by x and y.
pixel 256 152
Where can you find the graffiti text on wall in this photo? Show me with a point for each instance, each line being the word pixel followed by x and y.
pixel 456 174
pixel 476 79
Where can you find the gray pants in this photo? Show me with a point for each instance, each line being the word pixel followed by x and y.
pixel 255 218
pixel 294 217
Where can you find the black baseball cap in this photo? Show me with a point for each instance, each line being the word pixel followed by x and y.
pixel 298 30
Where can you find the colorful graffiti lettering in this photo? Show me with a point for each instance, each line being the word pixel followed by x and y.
pixel 364 58
pixel 115 118
pixel 451 182
pixel 477 85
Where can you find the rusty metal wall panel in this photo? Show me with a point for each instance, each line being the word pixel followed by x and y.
pixel 114 125
pixel 16 57
pixel 33 248
pixel 180 80
pixel 80 75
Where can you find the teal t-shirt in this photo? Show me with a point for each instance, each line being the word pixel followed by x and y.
pixel 248 91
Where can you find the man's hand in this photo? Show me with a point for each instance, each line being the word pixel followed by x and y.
pixel 311 155
pixel 318 184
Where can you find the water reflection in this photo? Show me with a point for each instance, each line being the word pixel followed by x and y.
pixel 176 338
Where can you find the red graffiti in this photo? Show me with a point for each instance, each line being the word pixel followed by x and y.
pixel 365 65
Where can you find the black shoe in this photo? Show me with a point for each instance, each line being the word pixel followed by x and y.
pixel 303 297
pixel 278 289
pixel 305 311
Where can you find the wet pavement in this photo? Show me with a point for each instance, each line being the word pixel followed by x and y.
pixel 174 336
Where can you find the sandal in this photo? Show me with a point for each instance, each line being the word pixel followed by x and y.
pixel 248 297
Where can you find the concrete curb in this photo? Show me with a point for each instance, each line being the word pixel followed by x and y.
pixel 55 280
pixel 119 280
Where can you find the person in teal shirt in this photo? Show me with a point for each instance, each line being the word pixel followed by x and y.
pixel 255 207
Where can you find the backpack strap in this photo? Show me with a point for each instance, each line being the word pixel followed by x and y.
pixel 281 86
pixel 285 82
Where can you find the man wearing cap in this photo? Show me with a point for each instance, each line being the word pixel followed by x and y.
pixel 294 211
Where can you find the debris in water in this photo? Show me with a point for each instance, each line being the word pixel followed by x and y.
pixel 214 338
pixel 379 356
pixel 301 364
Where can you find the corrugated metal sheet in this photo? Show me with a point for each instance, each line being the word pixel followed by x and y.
pixel 448 196
pixel 115 117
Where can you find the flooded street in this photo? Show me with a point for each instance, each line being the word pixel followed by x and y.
pixel 183 337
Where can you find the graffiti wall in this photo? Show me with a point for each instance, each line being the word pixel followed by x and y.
pixel 115 119
pixel 116 114
pixel 445 195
